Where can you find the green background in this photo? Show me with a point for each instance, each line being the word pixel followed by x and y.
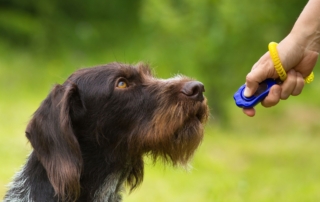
pixel 271 157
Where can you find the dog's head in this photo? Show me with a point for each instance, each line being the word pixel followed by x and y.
pixel 122 110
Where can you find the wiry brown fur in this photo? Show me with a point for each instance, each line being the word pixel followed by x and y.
pixel 89 136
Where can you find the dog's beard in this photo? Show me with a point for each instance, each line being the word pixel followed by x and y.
pixel 177 133
pixel 189 135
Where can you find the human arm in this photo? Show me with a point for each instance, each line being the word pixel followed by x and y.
pixel 298 52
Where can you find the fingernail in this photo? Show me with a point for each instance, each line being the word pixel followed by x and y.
pixel 246 92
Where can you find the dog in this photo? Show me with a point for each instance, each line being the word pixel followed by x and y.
pixel 90 134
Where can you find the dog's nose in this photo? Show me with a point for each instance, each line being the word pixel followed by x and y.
pixel 193 90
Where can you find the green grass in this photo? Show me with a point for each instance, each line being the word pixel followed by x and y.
pixel 230 165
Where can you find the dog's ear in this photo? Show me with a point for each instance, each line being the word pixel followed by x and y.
pixel 51 135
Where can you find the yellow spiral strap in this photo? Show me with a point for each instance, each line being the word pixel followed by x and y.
pixel 278 66
pixel 309 78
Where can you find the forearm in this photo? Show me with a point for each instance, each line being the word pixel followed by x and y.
pixel 307 27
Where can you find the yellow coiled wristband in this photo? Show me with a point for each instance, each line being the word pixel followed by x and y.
pixel 278 66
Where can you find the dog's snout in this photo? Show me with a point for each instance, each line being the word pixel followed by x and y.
pixel 193 90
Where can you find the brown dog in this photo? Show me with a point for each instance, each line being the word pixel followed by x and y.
pixel 90 134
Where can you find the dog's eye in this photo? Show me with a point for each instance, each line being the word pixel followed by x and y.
pixel 122 84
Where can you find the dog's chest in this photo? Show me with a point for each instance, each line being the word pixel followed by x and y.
pixel 110 189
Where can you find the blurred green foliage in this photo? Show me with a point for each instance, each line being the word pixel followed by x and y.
pixel 272 157
pixel 214 41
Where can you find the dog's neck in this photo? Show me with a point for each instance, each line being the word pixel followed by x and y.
pixel 102 176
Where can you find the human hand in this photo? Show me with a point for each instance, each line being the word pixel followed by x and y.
pixel 298 61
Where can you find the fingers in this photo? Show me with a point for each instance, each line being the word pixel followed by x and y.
pixel 273 97
pixel 299 86
pixel 293 85
pixel 289 85
pixel 249 111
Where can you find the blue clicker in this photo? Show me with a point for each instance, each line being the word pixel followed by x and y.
pixel 249 102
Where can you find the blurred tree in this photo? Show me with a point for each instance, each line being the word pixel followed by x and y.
pixel 49 24
pixel 215 41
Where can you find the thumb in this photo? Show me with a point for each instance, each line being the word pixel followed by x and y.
pixel 253 79
pixel 262 70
